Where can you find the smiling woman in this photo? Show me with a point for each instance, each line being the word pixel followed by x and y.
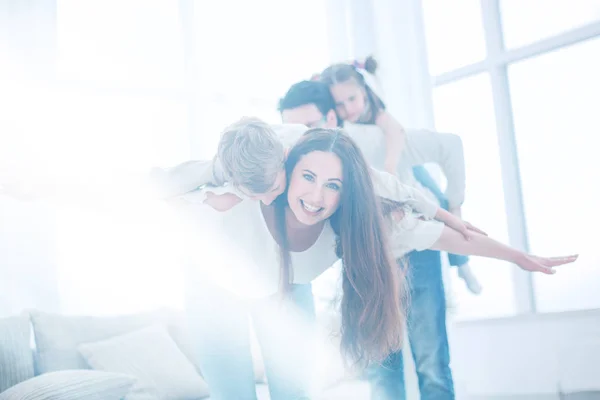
pixel 328 211
pixel 314 193
pixel 330 179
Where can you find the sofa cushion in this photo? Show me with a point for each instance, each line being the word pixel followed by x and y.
pixel 152 356
pixel 57 336
pixel 72 385
pixel 16 358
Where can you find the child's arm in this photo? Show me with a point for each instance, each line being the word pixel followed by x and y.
pixel 159 183
pixel 455 222
pixel 395 138
pixel 222 198
pixel 186 177
pixel 389 187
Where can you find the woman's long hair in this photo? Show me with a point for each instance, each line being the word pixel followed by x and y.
pixel 372 305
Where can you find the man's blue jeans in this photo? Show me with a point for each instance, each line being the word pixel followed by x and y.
pixel 428 337
pixel 219 329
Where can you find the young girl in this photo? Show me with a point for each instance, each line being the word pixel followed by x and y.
pixel 356 101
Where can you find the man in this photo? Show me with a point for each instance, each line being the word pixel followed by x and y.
pixel 310 103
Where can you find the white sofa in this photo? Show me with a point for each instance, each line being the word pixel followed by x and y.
pixel 77 357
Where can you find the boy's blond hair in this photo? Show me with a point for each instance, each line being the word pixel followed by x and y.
pixel 251 154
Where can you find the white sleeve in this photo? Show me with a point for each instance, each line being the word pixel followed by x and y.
pixel 388 186
pixel 199 196
pixel 186 177
pixel 445 150
pixel 413 233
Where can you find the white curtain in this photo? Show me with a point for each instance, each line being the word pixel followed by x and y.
pixel 88 104
pixel 27 240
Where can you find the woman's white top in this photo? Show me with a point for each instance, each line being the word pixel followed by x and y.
pixel 236 250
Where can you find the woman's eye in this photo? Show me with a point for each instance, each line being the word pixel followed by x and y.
pixel 333 186
pixel 308 177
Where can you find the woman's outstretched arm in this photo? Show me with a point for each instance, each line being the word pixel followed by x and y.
pixel 484 246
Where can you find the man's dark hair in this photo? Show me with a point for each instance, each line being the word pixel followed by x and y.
pixel 308 92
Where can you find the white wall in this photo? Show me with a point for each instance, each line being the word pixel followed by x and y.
pixel 529 355
pixel 27 257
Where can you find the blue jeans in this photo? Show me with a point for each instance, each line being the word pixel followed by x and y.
pixel 218 322
pixel 428 337
pixel 423 177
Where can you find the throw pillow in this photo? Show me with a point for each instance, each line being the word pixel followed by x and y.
pixel 150 355
pixel 72 385
pixel 57 336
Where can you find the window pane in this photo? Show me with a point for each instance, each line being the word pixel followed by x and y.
pixel 551 18
pixel 559 167
pixel 254 61
pixel 75 134
pixel 465 107
pixel 454 34
pixel 256 54
pixel 133 43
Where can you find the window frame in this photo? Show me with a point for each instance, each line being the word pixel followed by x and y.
pixel 496 63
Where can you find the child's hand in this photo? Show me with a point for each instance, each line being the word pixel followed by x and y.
pixel 454 222
pixel 222 202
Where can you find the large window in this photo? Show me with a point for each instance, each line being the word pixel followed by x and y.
pixel 527 116
pixel 557 127
pixel 141 44
pixel 466 107
pixel 454 34
pixel 250 53
pixel 552 17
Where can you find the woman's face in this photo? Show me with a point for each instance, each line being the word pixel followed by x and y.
pixel 315 187
pixel 349 99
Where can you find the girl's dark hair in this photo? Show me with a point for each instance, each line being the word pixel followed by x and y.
pixel 369 64
pixel 340 73
pixel 373 299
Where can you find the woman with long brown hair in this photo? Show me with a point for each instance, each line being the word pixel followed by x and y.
pixel 328 210
pixel 371 306
pixel 272 252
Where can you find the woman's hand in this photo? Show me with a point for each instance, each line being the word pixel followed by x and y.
pixel 543 264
